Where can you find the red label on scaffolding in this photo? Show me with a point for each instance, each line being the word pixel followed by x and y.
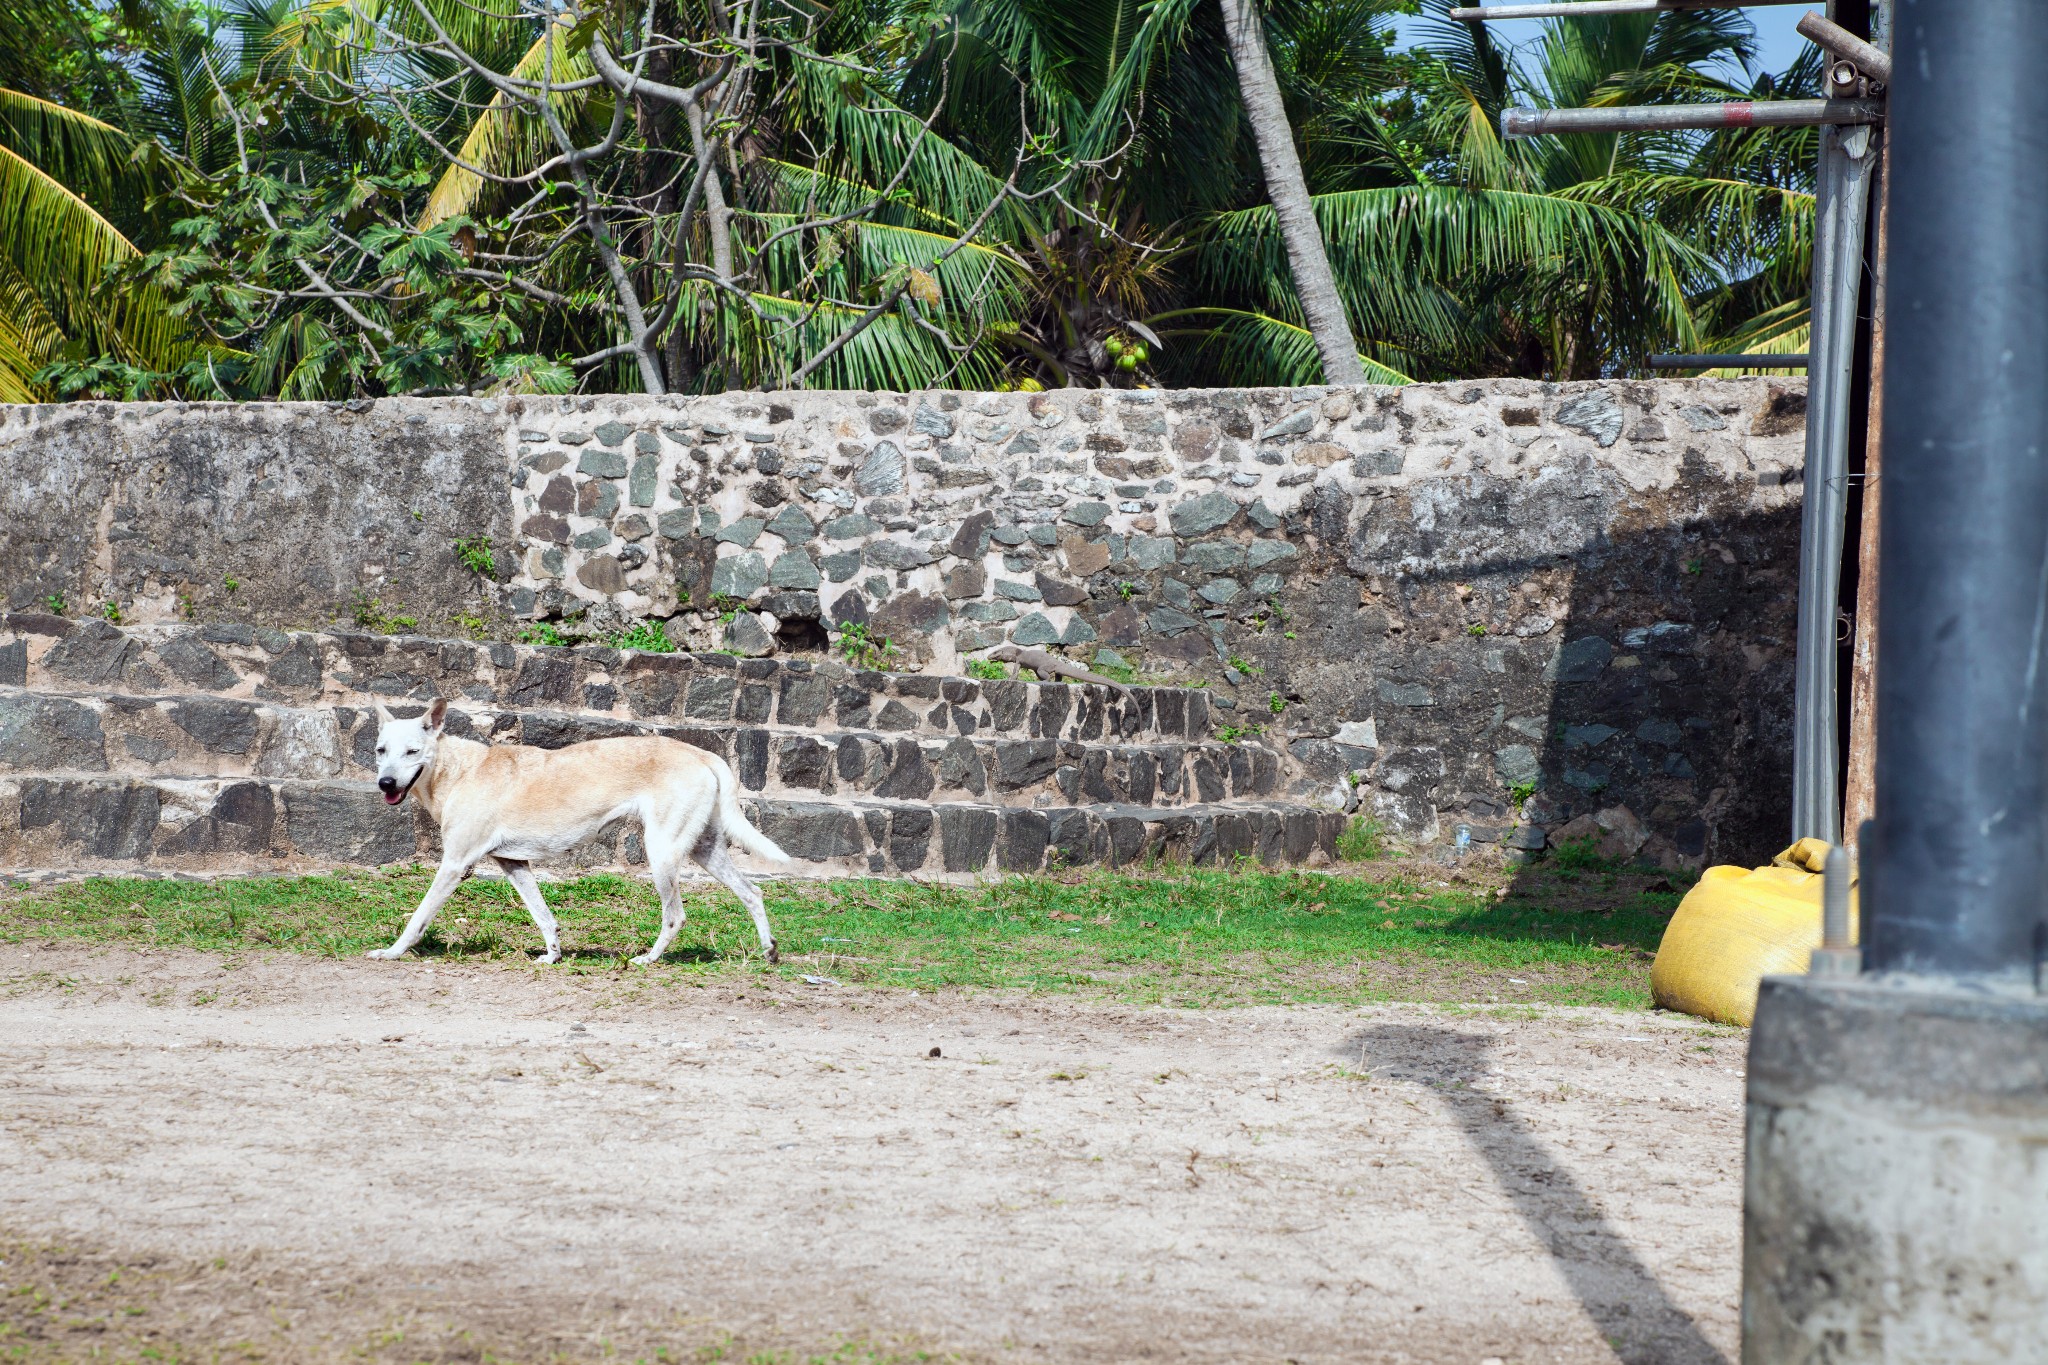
pixel 1740 114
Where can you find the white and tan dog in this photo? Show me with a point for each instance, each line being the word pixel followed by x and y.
pixel 515 803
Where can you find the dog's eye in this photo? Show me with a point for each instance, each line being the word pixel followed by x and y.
pixel 411 753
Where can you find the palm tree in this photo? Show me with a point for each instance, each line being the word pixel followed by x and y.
pixel 1725 218
pixel 68 188
pixel 263 204
pixel 1307 260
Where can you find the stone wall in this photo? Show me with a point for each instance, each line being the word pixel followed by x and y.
pixel 226 748
pixel 1439 601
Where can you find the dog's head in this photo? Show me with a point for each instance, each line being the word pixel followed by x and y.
pixel 405 748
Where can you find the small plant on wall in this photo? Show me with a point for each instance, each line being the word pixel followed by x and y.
pixel 476 555
pixel 863 648
pixel 645 635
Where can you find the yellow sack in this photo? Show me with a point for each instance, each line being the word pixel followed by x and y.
pixel 1738 926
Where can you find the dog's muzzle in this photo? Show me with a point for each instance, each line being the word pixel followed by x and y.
pixel 393 792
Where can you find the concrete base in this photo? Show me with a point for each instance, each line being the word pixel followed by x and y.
pixel 1896 1205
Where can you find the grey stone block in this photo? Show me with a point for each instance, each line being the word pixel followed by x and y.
pixel 793 569
pixel 220 726
pixel 45 734
pixel 1517 765
pixel 602 464
pixel 851 526
pixel 1034 629
pixel 910 838
pixel 710 698
pixel 742 533
pixel 1025 834
pixel 1264 552
pixel 1086 513
pixel 1384 463
pixel 640 487
pixel 895 554
pixel 1198 516
pixel 881 473
pixel 195 663
pixel 814 833
pixel 745 636
pixel 1405 694
pixel 794 525
pixel 347 825
pixel 1596 414
pixel 243 820
pixel 739 576
pixel 1582 660
pixel 1214 556
pixel 103 819
pixel 967 835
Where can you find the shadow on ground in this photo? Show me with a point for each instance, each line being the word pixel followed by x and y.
pixel 1618 1292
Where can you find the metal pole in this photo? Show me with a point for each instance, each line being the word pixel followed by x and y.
pixel 1571 10
pixel 1956 866
pixel 1842 201
pixel 1638 118
pixel 1832 37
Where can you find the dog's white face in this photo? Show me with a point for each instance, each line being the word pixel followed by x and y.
pixel 405 749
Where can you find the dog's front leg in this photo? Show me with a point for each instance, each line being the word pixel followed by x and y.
pixel 521 876
pixel 446 879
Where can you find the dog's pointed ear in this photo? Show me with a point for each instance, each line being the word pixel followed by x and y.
pixel 383 715
pixel 437 712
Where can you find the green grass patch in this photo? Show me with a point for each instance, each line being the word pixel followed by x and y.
pixel 1362 841
pixel 1193 937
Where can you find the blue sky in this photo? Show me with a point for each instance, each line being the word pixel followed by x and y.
pixel 1777 40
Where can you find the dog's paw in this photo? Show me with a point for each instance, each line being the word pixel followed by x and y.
pixel 646 959
pixel 549 958
pixel 385 954
pixel 774 953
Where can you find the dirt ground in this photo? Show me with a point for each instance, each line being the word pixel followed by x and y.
pixel 286 1158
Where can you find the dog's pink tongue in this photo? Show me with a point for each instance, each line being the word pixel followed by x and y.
pixel 393 798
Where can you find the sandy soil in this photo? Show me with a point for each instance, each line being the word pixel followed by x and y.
pixel 296 1159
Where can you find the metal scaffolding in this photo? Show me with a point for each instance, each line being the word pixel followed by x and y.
pixel 1850 128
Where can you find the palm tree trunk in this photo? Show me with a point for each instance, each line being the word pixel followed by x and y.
pixel 1314 282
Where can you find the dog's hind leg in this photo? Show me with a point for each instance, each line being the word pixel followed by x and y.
pixel 520 874
pixel 446 878
pixel 665 861
pixel 713 856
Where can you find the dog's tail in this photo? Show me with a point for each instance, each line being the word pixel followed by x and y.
pixel 739 831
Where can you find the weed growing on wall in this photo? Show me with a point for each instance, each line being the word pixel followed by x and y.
pixel 864 649
pixel 372 615
pixel 1363 841
pixel 541 633
pixel 645 636
pixel 476 555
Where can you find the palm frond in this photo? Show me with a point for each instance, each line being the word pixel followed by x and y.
pixel 1237 347
pixel 84 153
pixel 506 139
pixel 65 250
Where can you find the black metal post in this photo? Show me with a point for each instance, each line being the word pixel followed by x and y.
pixel 1957 870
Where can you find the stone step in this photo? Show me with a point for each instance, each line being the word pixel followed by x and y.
pixel 175 736
pixel 58 656
pixel 88 823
